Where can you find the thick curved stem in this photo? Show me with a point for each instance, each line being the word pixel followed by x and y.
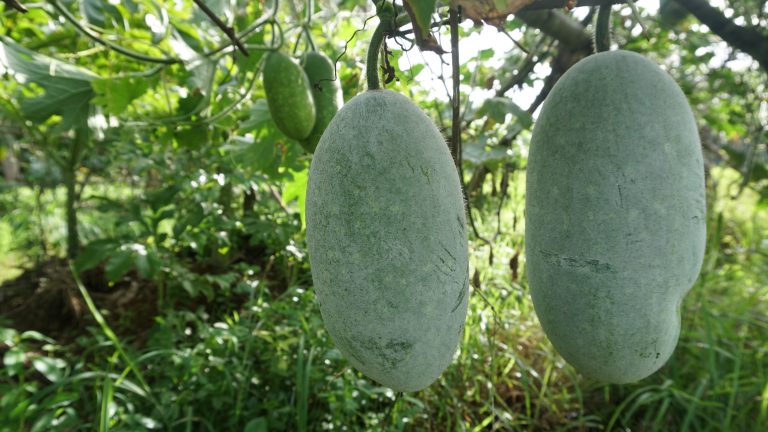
pixel 603 29
pixel 372 61
pixel 387 17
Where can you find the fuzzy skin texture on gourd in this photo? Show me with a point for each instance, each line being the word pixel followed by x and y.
pixel 615 215
pixel 387 239
pixel 288 96
pixel 326 92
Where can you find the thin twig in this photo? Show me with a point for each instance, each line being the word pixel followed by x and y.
pixel 514 41
pixel 438 24
pixel 96 38
pixel 456 99
pixel 229 31
pixel 455 146
pixel 167 60
pixel 276 195
pixel 13 4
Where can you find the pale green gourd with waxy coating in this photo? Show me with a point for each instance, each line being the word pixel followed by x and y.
pixel 615 215
pixel 387 240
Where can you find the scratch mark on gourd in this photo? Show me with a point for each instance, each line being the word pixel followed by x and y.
pixel 621 196
pixel 593 265
pixel 462 292
pixel 450 267
pixel 413 170
pixel 425 173
pixel 461 224
pixel 441 269
pixel 442 245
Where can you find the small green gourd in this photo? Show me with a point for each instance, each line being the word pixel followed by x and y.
pixel 288 96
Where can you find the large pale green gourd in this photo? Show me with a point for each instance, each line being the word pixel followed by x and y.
pixel 387 240
pixel 615 215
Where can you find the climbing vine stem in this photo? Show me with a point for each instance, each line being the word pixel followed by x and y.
pixel 386 14
pixel 603 29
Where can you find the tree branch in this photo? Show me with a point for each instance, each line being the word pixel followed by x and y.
pixel 531 60
pixel 745 39
pixel 62 10
pixel 15 5
pixel 229 31
pixel 561 4
pixel 560 26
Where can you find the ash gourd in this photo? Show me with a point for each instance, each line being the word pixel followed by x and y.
pixel 302 99
pixel 387 237
pixel 615 215
pixel 288 96
pixel 326 93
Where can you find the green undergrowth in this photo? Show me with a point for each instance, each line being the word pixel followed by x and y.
pixel 259 358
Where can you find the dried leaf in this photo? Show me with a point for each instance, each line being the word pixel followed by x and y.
pixel 491 12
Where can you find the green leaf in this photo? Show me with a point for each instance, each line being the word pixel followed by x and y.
pixel 194 136
pixel 296 189
pixel 258 114
pixel 96 12
pixel 193 103
pixel 258 424
pixel 115 94
pixel 14 360
pixel 160 198
pixel 36 336
pixel 144 421
pixel 200 68
pixel 51 368
pixel 68 89
pixel 497 109
pixel 147 263
pixel 224 280
pixel 477 153
pixel 259 154
pixel 94 253
pixel 119 264
pixel 421 12
pixel 8 336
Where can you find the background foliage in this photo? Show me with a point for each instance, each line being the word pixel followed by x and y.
pixel 136 142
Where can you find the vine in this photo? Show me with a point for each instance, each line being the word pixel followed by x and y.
pixel 386 13
pixel 602 33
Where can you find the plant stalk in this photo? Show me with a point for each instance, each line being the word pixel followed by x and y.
pixel 386 14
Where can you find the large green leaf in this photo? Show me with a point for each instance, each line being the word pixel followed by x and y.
pixel 100 13
pixel 258 153
pixel 421 12
pixel 497 109
pixel 67 88
pixel 296 189
pixel 200 68
pixel 117 93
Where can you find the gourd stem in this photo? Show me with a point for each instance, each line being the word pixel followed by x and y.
pixel 603 29
pixel 372 62
pixel 386 14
